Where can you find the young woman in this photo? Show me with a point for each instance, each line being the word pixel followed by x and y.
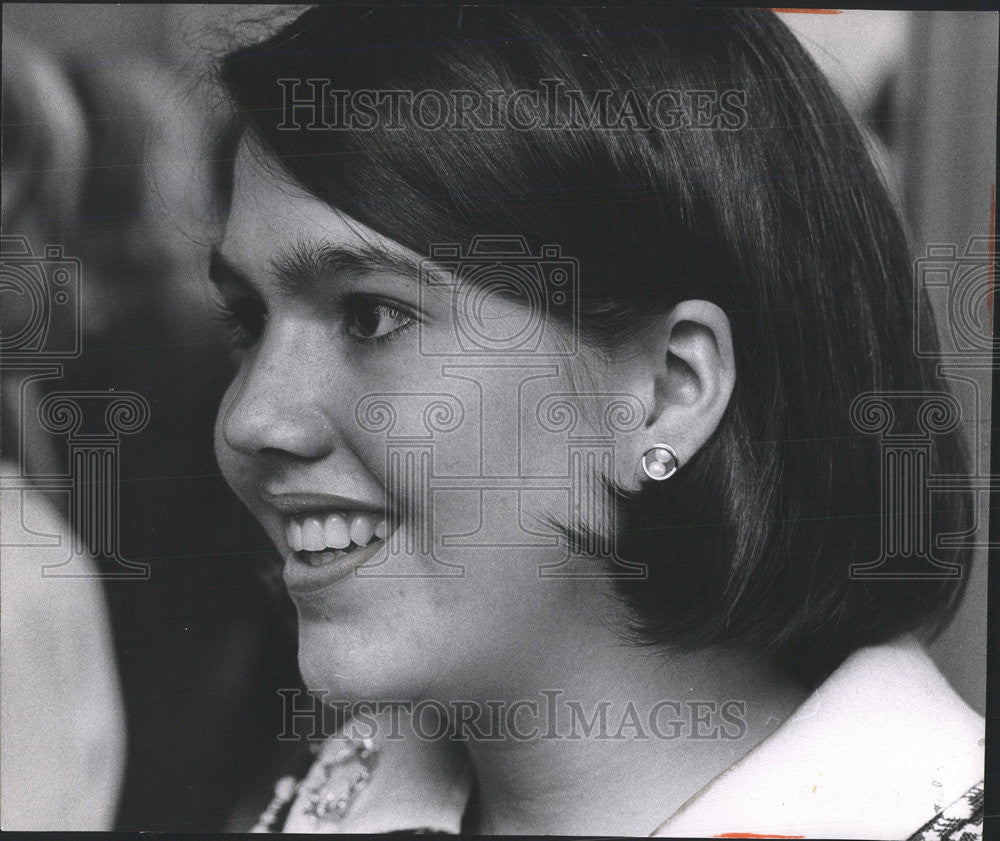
pixel 551 327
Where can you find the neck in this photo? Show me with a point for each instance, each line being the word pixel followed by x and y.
pixel 627 739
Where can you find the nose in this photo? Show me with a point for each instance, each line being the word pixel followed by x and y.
pixel 275 405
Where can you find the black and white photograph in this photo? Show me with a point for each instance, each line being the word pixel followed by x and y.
pixel 498 420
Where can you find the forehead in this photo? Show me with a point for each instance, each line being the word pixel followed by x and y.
pixel 269 213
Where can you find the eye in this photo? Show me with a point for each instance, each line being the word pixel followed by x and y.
pixel 243 320
pixel 370 320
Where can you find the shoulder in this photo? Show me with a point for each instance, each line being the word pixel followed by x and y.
pixel 876 751
pixel 63 761
pixel 65 605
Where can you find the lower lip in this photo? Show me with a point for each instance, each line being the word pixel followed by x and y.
pixel 304 578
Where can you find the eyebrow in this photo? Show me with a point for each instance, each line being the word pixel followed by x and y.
pixel 304 265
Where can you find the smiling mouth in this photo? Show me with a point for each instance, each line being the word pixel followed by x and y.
pixel 325 548
pixel 320 539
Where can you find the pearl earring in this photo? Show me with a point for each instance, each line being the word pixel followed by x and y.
pixel 660 462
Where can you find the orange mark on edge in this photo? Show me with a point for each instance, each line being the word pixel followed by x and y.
pixel 991 242
pixel 753 835
pixel 789 12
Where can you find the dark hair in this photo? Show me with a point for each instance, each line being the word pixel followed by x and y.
pixel 784 223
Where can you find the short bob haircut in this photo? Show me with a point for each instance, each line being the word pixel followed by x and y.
pixel 783 222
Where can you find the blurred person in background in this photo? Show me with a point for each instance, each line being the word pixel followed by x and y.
pixel 194 642
pixel 62 723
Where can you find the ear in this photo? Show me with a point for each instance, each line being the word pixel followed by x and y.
pixel 689 372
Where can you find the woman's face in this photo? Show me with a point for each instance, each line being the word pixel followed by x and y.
pixel 350 369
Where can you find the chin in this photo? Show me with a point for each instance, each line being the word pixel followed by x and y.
pixel 342 669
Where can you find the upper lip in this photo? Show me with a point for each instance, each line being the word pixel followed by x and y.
pixel 300 502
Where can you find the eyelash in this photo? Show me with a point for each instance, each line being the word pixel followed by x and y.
pixel 237 320
pixel 243 320
pixel 389 310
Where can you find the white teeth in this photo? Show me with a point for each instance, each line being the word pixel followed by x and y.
pixel 312 535
pixel 336 533
pixel 294 535
pixel 362 527
pixel 325 538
